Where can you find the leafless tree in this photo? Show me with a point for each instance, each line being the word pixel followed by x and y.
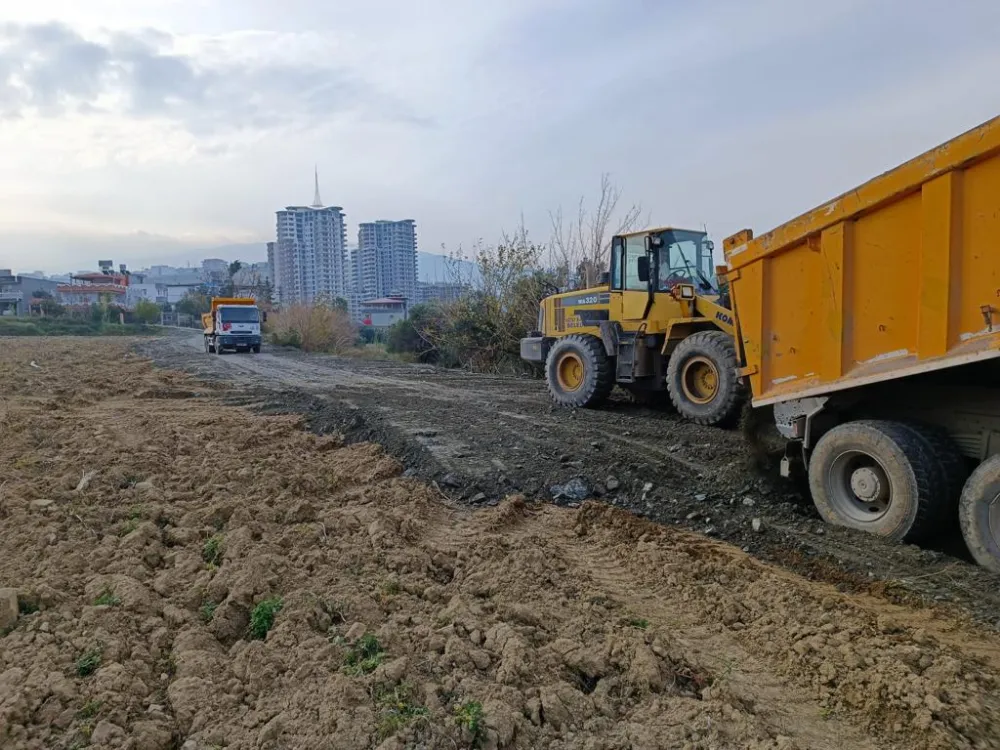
pixel 580 248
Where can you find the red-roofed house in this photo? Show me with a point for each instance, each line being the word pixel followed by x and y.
pixel 383 312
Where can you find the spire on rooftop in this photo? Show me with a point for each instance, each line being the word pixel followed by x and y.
pixel 317 201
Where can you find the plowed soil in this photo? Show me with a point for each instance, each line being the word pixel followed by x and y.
pixel 144 519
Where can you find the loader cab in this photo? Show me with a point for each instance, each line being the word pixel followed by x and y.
pixel 658 272
pixel 663 259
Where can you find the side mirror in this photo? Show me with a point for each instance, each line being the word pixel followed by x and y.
pixel 709 245
pixel 643 268
pixel 263 316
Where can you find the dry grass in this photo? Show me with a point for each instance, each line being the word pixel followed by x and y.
pixel 313 328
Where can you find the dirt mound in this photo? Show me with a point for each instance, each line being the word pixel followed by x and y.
pixel 191 575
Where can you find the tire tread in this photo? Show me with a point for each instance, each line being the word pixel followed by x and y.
pixel 720 347
pixel 917 452
pixel 596 389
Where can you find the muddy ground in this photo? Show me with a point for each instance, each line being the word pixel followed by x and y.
pixel 480 438
pixel 181 572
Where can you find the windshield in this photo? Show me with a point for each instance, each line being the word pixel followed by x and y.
pixel 241 314
pixel 686 258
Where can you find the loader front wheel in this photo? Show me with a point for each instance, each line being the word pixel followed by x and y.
pixel 702 380
pixel 579 372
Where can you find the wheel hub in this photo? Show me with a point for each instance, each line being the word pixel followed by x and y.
pixel 569 371
pixel 859 486
pixel 700 380
pixel 865 483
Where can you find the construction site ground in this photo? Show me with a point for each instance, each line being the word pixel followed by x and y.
pixel 428 586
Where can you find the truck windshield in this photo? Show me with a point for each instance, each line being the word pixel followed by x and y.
pixel 686 258
pixel 241 314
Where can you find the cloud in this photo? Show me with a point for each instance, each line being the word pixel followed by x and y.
pixel 51 70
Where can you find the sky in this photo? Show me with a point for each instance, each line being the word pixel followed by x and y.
pixel 147 130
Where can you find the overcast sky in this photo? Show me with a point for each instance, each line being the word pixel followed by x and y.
pixel 140 129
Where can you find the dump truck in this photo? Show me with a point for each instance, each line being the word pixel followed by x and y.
pixel 658 325
pixel 868 330
pixel 232 323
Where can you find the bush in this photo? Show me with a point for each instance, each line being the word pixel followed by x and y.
pixel 414 335
pixel 52 309
pixel 69 327
pixel 313 328
pixel 147 312
pixel 482 330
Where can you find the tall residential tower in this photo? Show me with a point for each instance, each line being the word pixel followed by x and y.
pixel 309 255
pixel 386 260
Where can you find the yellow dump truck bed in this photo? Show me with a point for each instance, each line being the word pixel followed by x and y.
pixel 898 276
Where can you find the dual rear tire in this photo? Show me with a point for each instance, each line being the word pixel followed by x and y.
pixel 880 477
pixel 906 482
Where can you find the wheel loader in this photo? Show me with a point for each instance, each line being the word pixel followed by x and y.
pixel 658 325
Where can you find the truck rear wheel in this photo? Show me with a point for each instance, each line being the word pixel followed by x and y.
pixel 879 477
pixel 979 514
pixel 950 463
pixel 578 371
pixel 209 349
pixel 702 380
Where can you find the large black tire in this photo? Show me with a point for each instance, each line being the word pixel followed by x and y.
pixel 979 514
pixel 879 477
pixel 218 347
pixel 579 372
pixel 256 349
pixel 209 349
pixel 951 465
pixel 712 353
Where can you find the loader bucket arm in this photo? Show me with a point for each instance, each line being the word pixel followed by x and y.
pixel 721 316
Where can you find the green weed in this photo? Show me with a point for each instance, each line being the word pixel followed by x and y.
pixel 212 551
pixel 397 709
pixel 90 710
pixel 207 611
pixel 107 598
pixel 639 623
pixel 262 617
pixel 365 656
pixel 469 716
pixel 88 662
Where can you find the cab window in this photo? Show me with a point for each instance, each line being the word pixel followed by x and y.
pixel 635 248
pixel 616 262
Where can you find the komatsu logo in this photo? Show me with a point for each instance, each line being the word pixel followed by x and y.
pixel 724 318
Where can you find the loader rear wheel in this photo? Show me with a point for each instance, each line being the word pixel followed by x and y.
pixel 578 371
pixel 979 514
pixel 879 477
pixel 702 380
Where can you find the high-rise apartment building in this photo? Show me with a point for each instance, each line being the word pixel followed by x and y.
pixel 385 263
pixel 309 255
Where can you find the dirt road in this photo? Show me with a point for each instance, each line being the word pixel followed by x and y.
pixel 178 572
pixel 480 438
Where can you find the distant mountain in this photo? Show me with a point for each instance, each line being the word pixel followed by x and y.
pixel 247 252
pixel 434 267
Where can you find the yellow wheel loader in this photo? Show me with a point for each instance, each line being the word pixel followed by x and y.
pixel 658 325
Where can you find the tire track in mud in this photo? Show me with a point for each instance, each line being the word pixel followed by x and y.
pixel 481 438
